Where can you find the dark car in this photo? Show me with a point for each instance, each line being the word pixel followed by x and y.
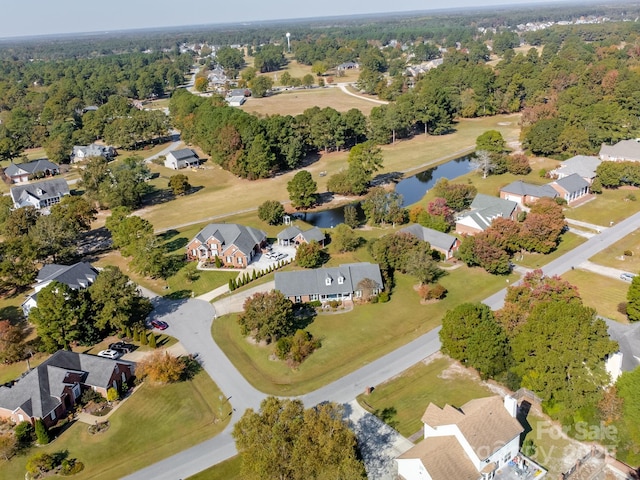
pixel 120 347
pixel 159 324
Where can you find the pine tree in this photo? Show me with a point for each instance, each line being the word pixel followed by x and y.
pixel 42 434
pixel 152 340
pixel 253 275
pixel 136 335
pixel 231 285
pixel 144 339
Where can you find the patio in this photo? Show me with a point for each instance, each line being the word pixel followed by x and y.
pixel 521 468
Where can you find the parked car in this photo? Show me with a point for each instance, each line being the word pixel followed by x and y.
pixel 627 277
pixel 159 324
pixel 112 354
pixel 120 347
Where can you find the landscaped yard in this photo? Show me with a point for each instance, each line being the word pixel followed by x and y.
pixel 614 256
pixel 610 206
pixel 221 193
pixel 227 470
pixel 156 422
pixel 568 241
pixel 401 402
pixel 350 340
pixel 599 292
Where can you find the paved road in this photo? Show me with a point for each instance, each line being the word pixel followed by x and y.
pixel 190 322
pixel 343 87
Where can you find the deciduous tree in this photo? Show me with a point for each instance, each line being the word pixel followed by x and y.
pixel 12 345
pixel 310 255
pixel 161 367
pixel 271 211
pixel 179 184
pixel 267 316
pixel 633 299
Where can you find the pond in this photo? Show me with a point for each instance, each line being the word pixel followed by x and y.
pixel 412 189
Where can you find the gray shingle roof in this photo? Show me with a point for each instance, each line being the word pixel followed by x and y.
pixel 628 338
pixel 434 237
pixel 38 392
pixel 289 233
pixel 76 276
pixel 623 150
pixel 183 154
pixel 488 206
pixel 583 165
pixel 33 166
pixel 572 183
pixel 313 234
pixel 521 188
pixel 44 190
pixel 305 282
pixel 244 238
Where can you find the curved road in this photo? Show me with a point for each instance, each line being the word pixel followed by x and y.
pixel 190 321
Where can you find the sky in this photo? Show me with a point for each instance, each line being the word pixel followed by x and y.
pixel 44 17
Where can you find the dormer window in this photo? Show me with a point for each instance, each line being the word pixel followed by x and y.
pixel 327 281
pixel 39 191
pixel 340 280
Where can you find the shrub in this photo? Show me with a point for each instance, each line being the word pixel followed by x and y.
pixel 90 395
pixel 42 433
pixel 315 303
pixel 560 201
pixel 71 466
pixel 283 347
pixel 375 299
pixel 383 297
pixel 218 262
pixel 432 292
pixel 542 173
pixel 631 197
pixel 144 339
pixel 232 285
pixel 24 433
pixel 628 253
pixel 152 341
pixel 161 367
pixel 112 394
pixel 136 335
pixel 622 308
pixel 518 164
pixel 335 303
pixel 41 463
pixel 596 186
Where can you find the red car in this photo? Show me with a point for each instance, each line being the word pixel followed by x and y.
pixel 159 324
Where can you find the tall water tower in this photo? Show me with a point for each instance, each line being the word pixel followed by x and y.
pixel 288 42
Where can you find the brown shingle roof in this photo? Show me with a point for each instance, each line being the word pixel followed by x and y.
pixel 484 422
pixel 444 459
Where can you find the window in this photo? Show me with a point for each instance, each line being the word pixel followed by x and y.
pixel 53 415
pixel 340 280
pixel 239 260
pixel 313 296
pixel 298 299
pixel 76 391
pixel 229 260
pixel 327 281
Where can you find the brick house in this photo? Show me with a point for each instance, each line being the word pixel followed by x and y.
pixel 525 193
pixel 235 245
pixel 294 236
pixel 440 242
pixel 20 172
pixel 50 390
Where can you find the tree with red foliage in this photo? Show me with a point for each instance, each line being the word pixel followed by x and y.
pixel 543 226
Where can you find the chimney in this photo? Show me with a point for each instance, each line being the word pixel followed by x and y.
pixel 511 404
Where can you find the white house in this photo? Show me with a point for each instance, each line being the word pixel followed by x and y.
pixel 183 158
pixel 40 195
pixel 624 150
pixel 469 443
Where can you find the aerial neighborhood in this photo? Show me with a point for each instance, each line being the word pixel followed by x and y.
pixel 394 246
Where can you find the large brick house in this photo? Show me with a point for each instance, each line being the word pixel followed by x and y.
pixel 51 389
pixel 235 245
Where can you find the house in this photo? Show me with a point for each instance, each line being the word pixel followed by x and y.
pixel 39 194
pixel 624 150
pixel 77 276
pixel 582 165
pixel 23 172
pixel 51 389
pixel 467 443
pixel 525 193
pixel 571 188
pixel 440 242
pixel 239 92
pixel 183 158
pixel 294 236
pixel 347 66
pixel 235 245
pixel 326 284
pixel 80 152
pixel 484 209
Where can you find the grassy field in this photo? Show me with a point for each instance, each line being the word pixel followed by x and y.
pixel 613 256
pixel 599 292
pixel 405 397
pixel 352 339
pixel 221 193
pixel 610 206
pixel 156 422
pixel 568 241
pixel 227 470
pixel 294 102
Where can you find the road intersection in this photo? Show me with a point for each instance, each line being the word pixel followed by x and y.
pixel 191 322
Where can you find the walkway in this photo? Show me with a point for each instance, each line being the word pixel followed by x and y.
pixel 601 269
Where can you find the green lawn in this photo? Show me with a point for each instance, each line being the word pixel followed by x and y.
pixel 227 470
pixel 568 241
pixel 405 398
pixel 613 256
pixel 599 292
pixel 610 206
pixel 156 422
pixel 351 340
